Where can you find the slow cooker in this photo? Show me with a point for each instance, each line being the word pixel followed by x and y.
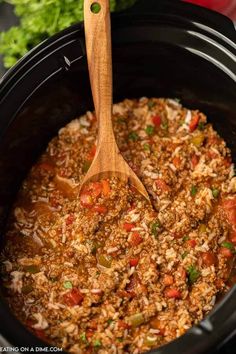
pixel 160 48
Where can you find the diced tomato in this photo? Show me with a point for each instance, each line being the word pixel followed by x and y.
pixel 176 161
pixel 92 153
pixel 231 215
pixel 232 236
pixel 93 324
pixel 30 322
pixel 62 172
pixel 95 188
pixel 123 324
pixel 194 123
pixel 227 161
pixel 229 206
pixel 219 283
pixel 133 262
pixel 106 190
pixel 70 219
pixel 135 239
pixel 73 297
pixel 177 235
pixel 208 258
pixel 156 121
pixel 211 154
pixel 86 199
pixel 172 293
pixel 131 294
pixel 226 252
pixel 90 349
pixel 194 161
pixel 229 203
pixel 161 184
pixel 151 141
pixel 90 332
pixel 128 226
pixel 40 333
pixel 227 272
pixel 45 166
pixel 192 243
pixel 101 209
pixel 126 294
pixel 168 280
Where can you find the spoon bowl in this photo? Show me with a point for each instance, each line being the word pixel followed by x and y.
pixel 108 161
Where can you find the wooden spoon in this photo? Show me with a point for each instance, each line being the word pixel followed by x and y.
pixel 108 161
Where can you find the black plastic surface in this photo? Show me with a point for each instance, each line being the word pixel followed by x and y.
pixel 171 50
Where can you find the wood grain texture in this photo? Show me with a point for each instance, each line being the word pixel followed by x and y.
pixel 108 161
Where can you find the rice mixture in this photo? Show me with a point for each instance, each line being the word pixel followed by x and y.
pixel 104 272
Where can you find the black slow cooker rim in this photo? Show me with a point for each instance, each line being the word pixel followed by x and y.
pixel 222 319
pixel 204 25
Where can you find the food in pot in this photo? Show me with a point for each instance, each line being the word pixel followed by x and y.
pixel 103 271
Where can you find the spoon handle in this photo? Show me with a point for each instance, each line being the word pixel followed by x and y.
pixel 98 47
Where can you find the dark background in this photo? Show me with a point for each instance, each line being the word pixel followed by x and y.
pixel 7 19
